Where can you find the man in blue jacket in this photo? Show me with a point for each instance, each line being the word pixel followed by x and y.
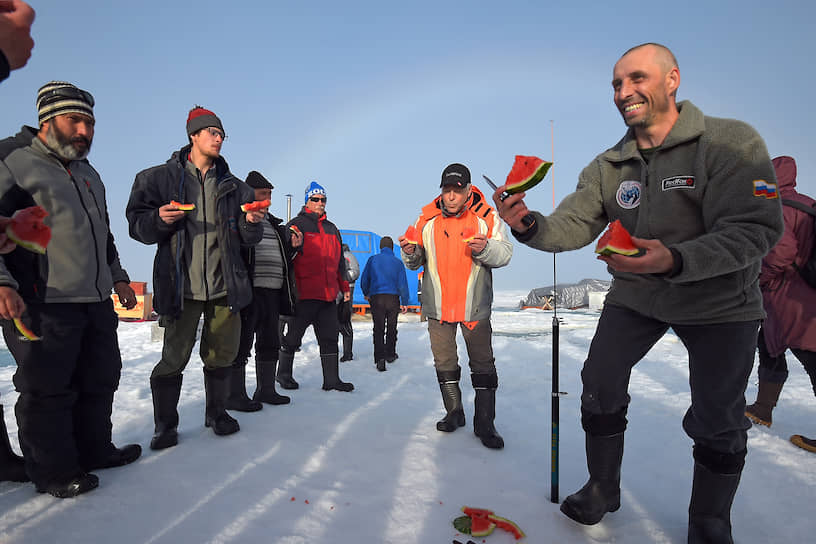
pixel 384 284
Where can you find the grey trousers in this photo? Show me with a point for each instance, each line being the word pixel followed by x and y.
pixel 478 342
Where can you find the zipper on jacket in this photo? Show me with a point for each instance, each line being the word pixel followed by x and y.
pixel 90 224
pixel 204 212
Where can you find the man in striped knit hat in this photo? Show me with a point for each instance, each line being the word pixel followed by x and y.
pixel 273 294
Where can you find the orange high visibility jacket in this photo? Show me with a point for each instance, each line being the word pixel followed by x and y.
pixel 458 284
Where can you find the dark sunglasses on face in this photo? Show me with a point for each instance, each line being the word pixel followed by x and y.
pixel 317 198
pixel 67 92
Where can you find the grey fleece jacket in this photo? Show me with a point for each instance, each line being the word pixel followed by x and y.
pixel 707 193
pixel 82 261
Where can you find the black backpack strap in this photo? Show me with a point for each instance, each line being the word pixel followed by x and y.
pixel 800 206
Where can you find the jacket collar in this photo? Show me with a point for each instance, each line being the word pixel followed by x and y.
pixel 690 125
pixel 180 157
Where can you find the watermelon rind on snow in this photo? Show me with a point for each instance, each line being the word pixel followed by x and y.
pixel 527 172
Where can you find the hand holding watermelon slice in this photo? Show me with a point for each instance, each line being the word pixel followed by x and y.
pixel 411 235
pixel 256 206
pixel 616 239
pixel 527 172
pixel 27 229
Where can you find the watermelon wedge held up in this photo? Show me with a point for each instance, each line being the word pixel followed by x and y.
pixel 411 235
pixel 182 207
pixel 616 239
pixel 26 229
pixel 527 172
pixel 468 234
pixel 255 206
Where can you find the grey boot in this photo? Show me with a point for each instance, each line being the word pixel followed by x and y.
pixel 216 389
pixel 284 377
pixel 452 399
pixel 601 494
pixel 238 399
pixel 265 391
pixel 12 466
pixel 166 391
pixel 331 374
pixel 485 386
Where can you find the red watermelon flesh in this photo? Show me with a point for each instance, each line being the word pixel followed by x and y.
pixel 182 207
pixel 481 526
pixel 527 172
pixel 27 229
pixel 27 333
pixel 468 233
pixel 507 525
pixel 411 235
pixel 616 239
pixel 474 512
pixel 255 206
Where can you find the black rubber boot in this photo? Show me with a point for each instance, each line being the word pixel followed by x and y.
pixel 331 374
pixel 380 364
pixel 238 399
pixel 284 376
pixel 119 457
pixel 601 494
pixel 265 391
pixel 712 494
pixel 485 386
pixel 12 466
pixel 452 399
pixel 348 342
pixel 216 390
pixel 77 485
pixel 166 391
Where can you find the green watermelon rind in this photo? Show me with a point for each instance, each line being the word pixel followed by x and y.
pixel 27 244
pixel 507 525
pixel 32 217
pixel 462 524
pixel 611 250
pixel 531 181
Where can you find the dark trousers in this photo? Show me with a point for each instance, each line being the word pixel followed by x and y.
pixel 775 369
pixel 322 316
pixel 477 340
pixel 721 357
pixel 66 383
pixel 259 322
pixel 384 312
pixel 344 311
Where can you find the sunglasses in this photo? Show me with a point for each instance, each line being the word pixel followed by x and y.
pixel 214 132
pixel 66 92
pixel 317 198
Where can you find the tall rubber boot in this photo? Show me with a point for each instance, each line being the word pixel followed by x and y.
pixel 265 390
pixel 284 377
pixel 601 494
pixel 331 374
pixel 761 411
pixel 216 389
pixel 238 399
pixel 12 466
pixel 348 343
pixel 712 495
pixel 485 386
pixel 166 391
pixel 452 400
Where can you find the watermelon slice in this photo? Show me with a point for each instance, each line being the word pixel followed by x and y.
pixel 475 525
pixel 507 525
pixel 256 206
pixel 468 233
pixel 411 235
pixel 527 172
pixel 294 228
pixel 27 333
pixel 616 239
pixel 478 512
pixel 26 229
pixel 182 207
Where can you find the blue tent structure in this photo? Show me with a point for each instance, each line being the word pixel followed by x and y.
pixel 364 244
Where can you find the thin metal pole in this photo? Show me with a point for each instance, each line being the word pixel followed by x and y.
pixel 288 208
pixel 554 470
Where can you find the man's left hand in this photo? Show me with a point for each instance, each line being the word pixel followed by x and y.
pixel 404 309
pixel 124 291
pixel 478 243
pixel 255 217
pixel 657 258
pixel 346 296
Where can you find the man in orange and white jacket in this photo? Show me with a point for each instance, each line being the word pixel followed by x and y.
pixel 460 239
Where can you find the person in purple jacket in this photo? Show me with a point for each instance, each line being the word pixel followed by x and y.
pixel 789 302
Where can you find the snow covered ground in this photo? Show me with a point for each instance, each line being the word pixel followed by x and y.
pixel 370 467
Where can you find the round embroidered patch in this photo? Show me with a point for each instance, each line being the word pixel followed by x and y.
pixel 628 195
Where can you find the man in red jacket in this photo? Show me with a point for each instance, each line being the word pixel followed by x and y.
pixel 789 302
pixel 319 276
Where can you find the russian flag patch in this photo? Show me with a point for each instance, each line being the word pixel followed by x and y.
pixel 763 188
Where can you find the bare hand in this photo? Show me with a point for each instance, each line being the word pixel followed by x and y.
pixel 477 243
pixel 512 209
pixel 657 258
pixel 170 214
pixel 346 296
pixel 407 247
pixel 124 291
pixel 256 217
pixel 404 309
pixel 16 42
pixel 297 238
pixel 6 245
pixel 11 304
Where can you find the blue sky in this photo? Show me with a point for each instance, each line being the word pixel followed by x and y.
pixel 374 99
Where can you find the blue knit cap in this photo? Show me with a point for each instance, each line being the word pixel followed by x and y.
pixel 313 188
